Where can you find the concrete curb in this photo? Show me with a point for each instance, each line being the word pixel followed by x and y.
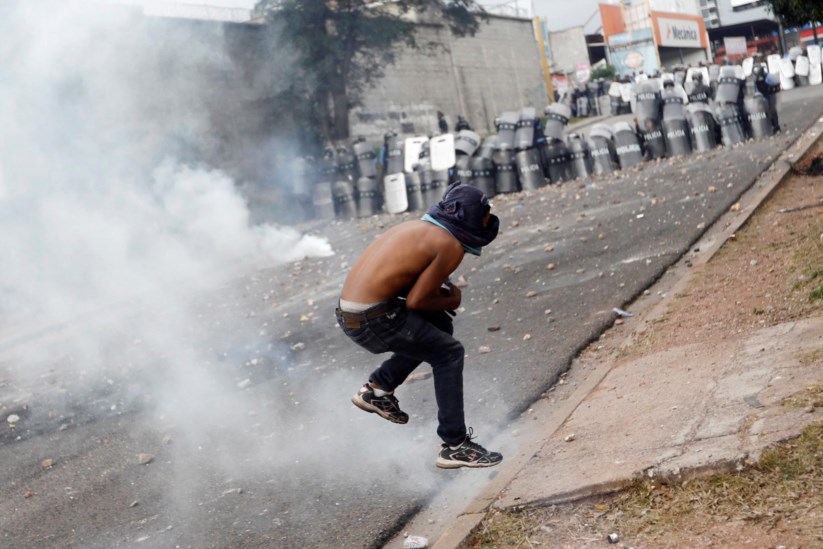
pixel 677 277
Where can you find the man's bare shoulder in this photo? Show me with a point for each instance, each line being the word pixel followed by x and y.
pixel 423 231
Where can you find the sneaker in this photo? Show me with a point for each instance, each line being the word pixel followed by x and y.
pixel 385 406
pixel 468 454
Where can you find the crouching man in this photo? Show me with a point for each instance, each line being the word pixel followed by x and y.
pixel 397 299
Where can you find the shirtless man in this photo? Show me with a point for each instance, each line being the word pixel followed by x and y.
pixel 397 299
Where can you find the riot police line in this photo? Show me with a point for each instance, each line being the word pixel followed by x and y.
pixel 688 110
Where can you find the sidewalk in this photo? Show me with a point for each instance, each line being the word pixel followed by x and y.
pixel 698 405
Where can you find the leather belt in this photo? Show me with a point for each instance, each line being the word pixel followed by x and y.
pixel 356 320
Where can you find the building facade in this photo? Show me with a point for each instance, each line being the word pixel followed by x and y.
pixel 650 36
pixel 496 70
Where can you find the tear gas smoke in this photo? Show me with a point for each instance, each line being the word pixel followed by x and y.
pixel 126 249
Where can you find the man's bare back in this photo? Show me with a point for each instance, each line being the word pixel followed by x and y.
pixel 416 256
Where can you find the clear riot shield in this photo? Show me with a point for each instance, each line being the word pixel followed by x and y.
pixel 506 125
pixel 466 142
pixel 580 157
pixel 728 86
pixel 364 157
pixel 647 103
pixel 601 146
pixel 704 71
pixel 488 147
pixel 702 126
pixel 441 152
pixel 394 155
pixel 557 118
pixel 731 130
pixel 556 161
pixel 397 200
pixel 345 206
pixel 505 179
pixel 505 175
pixel 675 126
pixel 757 113
pixel 414 191
pixel 529 171
pixel 627 145
pixel 483 174
pixel 411 152
pixel 648 110
pixel 346 164
pixel 369 198
pixel 524 133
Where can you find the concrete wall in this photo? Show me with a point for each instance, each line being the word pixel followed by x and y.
pixel 568 49
pixel 494 71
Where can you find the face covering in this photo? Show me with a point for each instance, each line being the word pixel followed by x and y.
pixel 461 213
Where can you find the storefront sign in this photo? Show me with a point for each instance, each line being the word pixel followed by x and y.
pixel 679 33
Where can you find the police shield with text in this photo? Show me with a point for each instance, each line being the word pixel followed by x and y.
pixel 675 126
pixel 648 110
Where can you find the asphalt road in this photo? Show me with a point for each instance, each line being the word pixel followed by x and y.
pixel 245 408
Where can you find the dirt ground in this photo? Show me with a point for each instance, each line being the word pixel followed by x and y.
pixel 770 272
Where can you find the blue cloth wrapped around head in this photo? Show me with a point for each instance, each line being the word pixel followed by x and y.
pixel 461 212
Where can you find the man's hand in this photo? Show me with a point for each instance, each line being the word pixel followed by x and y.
pixel 454 292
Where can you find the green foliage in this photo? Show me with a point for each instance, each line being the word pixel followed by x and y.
pixel 798 12
pixel 606 73
pixel 341 47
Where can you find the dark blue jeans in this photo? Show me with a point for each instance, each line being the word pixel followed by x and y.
pixel 414 337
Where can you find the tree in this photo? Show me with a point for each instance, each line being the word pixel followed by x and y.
pixel 341 47
pixel 798 12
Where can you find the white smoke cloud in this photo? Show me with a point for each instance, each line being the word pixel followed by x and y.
pixel 124 245
pixel 111 217
pixel 95 206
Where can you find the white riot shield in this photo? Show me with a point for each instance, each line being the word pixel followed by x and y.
pixel 748 65
pixel 739 73
pixel 441 148
pixel 395 192
pixel 411 152
pixel 814 54
pixel 626 92
pixel 614 89
pixel 786 74
pixel 703 70
pixel 815 67
pixel 773 61
pixel 801 66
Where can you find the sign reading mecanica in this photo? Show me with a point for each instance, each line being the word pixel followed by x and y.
pixel 679 33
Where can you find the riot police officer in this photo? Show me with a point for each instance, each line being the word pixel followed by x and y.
pixel 769 86
pixel 461 124
pixel 701 93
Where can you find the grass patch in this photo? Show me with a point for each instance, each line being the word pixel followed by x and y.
pixel 807 258
pixel 785 489
pixel 812 396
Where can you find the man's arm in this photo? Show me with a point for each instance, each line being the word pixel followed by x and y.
pixel 425 294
